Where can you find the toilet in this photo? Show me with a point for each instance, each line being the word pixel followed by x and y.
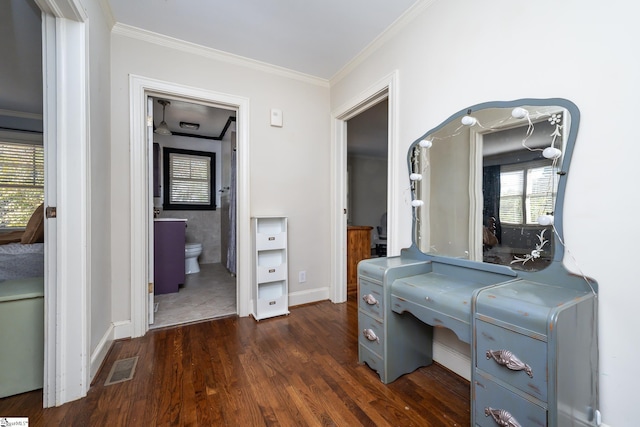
pixel 191 253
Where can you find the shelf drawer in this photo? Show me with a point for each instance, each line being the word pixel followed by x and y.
pixel 371 298
pixel 491 395
pixel 372 360
pixel 272 273
pixel 266 241
pixel 532 378
pixel 371 333
pixel 269 307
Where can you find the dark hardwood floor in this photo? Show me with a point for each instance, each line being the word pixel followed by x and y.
pixel 296 370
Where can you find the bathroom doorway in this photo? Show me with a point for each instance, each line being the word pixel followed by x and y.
pixel 186 133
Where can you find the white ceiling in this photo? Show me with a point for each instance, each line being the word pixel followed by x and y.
pixel 315 37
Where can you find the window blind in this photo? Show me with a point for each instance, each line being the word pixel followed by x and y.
pixel 526 192
pixel 190 179
pixel 21 182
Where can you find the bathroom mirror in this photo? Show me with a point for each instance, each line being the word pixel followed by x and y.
pixel 488 183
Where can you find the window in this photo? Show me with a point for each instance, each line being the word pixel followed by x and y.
pixel 189 179
pixel 21 182
pixel 526 192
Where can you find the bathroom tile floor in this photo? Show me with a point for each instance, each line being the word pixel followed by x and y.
pixel 205 295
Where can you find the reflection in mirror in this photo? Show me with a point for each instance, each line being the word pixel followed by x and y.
pixel 486 182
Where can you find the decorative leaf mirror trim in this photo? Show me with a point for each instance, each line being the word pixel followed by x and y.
pixel 488 184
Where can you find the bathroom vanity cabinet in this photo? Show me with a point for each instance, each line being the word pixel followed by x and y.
pixel 270 292
pixel 168 253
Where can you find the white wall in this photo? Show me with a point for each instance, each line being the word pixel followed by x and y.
pixel 99 169
pixel 459 53
pixel 289 165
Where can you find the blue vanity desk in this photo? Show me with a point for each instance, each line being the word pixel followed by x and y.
pixel 488 265
pixel 532 335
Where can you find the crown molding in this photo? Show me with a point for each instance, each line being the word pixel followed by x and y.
pixel 391 31
pixel 107 12
pixel 196 49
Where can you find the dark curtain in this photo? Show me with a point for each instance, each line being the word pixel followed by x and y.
pixel 231 249
pixel 491 197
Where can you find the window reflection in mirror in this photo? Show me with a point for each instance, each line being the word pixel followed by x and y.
pixel 489 188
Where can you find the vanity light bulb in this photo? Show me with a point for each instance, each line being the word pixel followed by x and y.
pixel 519 113
pixel 417 203
pixel 551 153
pixel 415 177
pixel 469 121
pixel 425 143
pixel 545 220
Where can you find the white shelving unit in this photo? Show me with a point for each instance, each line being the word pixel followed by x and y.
pixel 270 292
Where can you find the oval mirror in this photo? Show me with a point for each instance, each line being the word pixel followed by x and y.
pixel 488 183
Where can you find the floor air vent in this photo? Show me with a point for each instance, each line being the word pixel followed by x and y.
pixel 122 370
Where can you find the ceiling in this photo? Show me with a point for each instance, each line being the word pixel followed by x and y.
pixel 212 121
pixel 312 37
pixel 317 38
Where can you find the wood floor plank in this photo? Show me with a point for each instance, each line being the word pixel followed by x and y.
pixel 296 370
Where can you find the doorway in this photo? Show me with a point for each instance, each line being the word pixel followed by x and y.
pixel 141 89
pixel 367 171
pixel 384 89
pixel 193 154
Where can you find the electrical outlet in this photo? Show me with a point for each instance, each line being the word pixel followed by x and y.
pixel 302 277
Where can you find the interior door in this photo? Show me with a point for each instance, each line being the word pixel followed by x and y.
pixel 150 305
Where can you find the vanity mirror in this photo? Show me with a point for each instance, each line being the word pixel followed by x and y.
pixel 488 183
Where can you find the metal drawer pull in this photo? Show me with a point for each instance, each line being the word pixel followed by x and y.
pixel 370 335
pixel 501 417
pixel 370 299
pixel 508 359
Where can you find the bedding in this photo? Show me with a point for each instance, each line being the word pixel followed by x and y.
pixel 20 261
pixel 22 251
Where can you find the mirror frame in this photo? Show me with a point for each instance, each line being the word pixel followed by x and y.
pixel 574 113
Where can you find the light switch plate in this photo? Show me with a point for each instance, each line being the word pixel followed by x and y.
pixel 276 117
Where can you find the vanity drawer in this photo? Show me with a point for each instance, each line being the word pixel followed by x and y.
pixel 491 396
pixel 372 360
pixel 371 298
pixel 521 360
pixel 371 333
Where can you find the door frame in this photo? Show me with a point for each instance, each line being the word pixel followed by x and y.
pixel 66 142
pixel 141 213
pixel 387 87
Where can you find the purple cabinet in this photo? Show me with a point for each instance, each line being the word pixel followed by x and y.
pixel 168 253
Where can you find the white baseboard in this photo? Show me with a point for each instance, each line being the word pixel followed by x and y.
pixel 308 296
pixel 122 329
pixel 98 355
pixel 116 331
pixel 452 359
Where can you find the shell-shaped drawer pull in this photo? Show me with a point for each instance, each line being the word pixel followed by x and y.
pixel 510 360
pixel 370 335
pixel 371 300
pixel 501 417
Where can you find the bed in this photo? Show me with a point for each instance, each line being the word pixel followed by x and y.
pixel 22 307
pixel 22 251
